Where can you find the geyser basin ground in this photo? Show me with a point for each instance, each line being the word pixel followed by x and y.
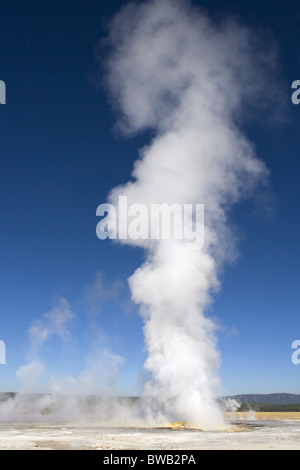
pixel 269 431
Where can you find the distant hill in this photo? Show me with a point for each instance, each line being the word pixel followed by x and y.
pixel 269 398
pixel 258 402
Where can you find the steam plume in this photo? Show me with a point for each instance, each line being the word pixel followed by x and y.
pixel 188 80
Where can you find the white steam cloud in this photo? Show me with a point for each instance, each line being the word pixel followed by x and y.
pixel 188 80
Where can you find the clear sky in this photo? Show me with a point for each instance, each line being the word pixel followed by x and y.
pixel 60 158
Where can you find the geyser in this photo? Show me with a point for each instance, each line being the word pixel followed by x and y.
pixel 172 70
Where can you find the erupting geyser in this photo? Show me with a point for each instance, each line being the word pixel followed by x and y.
pixel 177 73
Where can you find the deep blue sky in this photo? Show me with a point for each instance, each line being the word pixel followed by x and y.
pixel 59 159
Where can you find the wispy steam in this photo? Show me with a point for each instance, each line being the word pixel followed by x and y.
pixel 30 374
pixel 53 323
pixel 99 292
pixel 70 398
pixel 190 81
